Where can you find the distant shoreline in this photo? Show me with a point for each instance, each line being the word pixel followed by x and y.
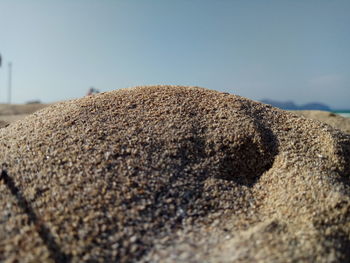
pixel 344 113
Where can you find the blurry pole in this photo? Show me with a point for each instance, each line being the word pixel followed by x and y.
pixel 10 83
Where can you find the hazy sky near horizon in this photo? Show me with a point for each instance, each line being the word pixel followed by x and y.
pixel 285 50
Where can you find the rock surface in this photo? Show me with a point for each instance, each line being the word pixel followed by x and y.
pixel 173 174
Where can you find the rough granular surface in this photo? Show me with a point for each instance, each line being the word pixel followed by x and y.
pixel 173 174
pixel 335 120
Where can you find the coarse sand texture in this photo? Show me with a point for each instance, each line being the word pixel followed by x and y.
pixel 173 174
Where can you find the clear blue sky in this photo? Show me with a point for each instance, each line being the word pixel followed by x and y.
pixel 285 50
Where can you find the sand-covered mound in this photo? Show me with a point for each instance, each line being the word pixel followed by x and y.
pixel 173 174
pixel 330 118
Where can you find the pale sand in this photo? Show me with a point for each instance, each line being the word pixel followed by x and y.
pixel 13 112
pixel 10 113
pixel 173 174
pixel 332 119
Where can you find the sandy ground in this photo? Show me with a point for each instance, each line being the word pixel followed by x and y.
pixel 330 118
pixel 12 112
pixel 20 109
pixel 173 174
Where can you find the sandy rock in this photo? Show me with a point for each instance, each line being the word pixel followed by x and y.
pixel 173 174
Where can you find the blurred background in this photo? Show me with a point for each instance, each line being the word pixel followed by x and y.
pixel 289 51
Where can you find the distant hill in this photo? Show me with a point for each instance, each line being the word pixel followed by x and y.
pixel 290 105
